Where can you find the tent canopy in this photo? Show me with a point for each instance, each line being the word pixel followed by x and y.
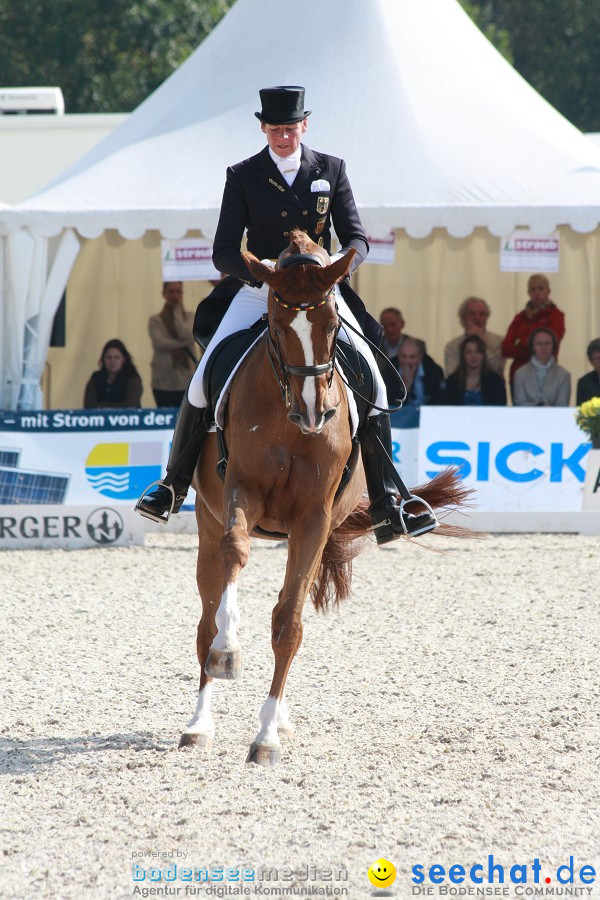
pixel 437 129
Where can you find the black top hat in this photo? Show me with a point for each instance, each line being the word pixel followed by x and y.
pixel 282 105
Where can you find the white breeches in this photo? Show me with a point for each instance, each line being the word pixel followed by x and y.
pixel 248 305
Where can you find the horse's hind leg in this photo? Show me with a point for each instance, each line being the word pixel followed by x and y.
pixel 209 575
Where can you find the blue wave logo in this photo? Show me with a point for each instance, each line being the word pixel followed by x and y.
pixel 122 471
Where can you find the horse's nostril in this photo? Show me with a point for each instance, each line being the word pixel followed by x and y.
pixel 296 418
pixel 329 413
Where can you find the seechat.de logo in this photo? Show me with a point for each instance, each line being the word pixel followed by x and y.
pixel 122 471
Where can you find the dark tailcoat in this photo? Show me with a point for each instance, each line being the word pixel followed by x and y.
pixel 257 199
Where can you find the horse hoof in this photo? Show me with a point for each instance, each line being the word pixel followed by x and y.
pixel 224 664
pixel 199 741
pixel 264 756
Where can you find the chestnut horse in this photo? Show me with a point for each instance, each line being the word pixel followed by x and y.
pixel 288 431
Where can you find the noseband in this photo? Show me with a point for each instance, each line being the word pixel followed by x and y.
pixel 304 371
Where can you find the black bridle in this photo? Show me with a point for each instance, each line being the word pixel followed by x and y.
pixel 273 345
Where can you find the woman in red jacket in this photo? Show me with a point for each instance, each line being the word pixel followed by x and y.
pixel 540 312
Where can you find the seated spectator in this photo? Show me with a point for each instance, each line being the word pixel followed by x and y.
pixel 392 322
pixel 422 377
pixel 174 360
pixel 117 382
pixel 541 381
pixel 589 385
pixel 473 383
pixel 474 314
pixel 540 312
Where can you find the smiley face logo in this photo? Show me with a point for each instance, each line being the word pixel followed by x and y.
pixel 382 873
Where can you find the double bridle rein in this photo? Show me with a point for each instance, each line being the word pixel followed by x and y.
pixel 273 345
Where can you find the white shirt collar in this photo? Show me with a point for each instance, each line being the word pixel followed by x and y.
pixel 293 159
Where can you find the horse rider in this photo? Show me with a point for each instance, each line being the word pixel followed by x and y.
pixel 283 187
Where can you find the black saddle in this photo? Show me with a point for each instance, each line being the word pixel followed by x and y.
pixel 356 372
pixel 224 358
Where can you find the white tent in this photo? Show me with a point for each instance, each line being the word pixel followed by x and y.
pixel 438 131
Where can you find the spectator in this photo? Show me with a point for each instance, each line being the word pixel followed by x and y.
pixel 392 322
pixel 473 383
pixel 174 360
pixel 422 377
pixel 540 312
pixel 117 382
pixel 541 381
pixel 588 385
pixel 474 314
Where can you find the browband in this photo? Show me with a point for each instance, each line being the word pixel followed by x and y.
pixel 301 258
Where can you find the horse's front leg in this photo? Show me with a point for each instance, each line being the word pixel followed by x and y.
pixel 241 513
pixel 209 576
pixel 307 540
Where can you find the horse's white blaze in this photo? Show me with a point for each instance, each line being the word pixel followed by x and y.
pixel 227 620
pixel 303 329
pixel 269 720
pixel 202 721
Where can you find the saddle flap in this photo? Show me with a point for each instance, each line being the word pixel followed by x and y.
pixel 361 382
pixel 224 359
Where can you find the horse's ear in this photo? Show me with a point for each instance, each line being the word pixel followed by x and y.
pixel 340 268
pixel 260 271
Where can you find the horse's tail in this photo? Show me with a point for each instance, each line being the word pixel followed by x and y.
pixel 332 584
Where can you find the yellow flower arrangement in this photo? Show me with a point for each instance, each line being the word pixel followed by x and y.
pixel 587 417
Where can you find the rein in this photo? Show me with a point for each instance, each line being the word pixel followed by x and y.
pixel 273 345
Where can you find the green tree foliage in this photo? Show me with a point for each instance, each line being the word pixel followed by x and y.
pixel 554 45
pixel 105 55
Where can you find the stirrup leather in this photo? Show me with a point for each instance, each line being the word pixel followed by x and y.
pixel 154 517
pixel 401 507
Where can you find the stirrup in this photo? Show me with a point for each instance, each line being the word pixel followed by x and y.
pixel 154 517
pixel 401 507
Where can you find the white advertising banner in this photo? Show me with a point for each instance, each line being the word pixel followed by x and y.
pixel 46 527
pixel 382 251
pixel 405 454
pixel 519 459
pixel 83 457
pixel 524 251
pixel 189 259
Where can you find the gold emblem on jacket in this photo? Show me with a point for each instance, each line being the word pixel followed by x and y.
pixel 322 205
pixel 319 227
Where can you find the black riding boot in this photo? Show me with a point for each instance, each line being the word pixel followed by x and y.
pixel 170 493
pixel 390 520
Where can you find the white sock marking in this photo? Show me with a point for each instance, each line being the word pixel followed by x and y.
pixel 202 721
pixel 269 719
pixel 227 620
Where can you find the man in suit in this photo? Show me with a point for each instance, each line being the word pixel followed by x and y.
pixel 422 377
pixel 285 186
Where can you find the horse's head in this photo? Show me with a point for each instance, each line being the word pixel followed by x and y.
pixel 303 326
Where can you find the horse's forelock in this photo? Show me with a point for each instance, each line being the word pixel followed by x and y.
pixel 300 242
